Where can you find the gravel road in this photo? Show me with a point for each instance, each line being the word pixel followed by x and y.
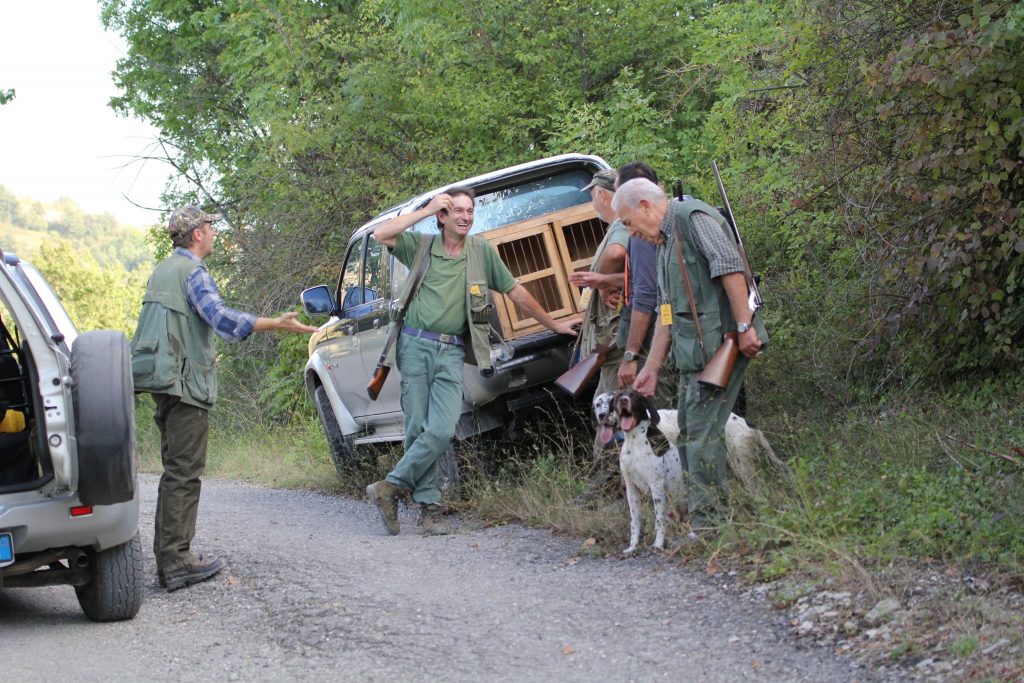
pixel 316 591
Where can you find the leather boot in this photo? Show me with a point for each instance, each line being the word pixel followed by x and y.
pixel 384 495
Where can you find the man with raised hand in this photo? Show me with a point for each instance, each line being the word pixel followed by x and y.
pixel 447 324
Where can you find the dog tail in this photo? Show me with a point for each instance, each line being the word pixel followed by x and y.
pixel 769 453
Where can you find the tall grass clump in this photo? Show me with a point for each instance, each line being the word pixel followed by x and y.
pixel 930 476
pixel 243 446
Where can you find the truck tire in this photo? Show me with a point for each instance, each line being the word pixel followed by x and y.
pixel 343 452
pixel 448 466
pixel 115 592
pixel 104 417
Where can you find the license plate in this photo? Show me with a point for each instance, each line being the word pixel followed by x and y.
pixel 6 548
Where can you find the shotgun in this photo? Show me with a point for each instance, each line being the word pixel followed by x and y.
pixel 381 372
pixel 578 377
pixel 719 369
pixel 379 375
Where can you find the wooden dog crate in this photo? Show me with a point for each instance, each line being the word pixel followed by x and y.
pixel 541 252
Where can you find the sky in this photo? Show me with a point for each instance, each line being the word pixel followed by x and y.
pixel 58 137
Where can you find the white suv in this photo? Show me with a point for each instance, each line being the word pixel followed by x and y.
pixel 69 501
pixel 541 221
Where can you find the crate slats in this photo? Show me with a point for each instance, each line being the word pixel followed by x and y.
pixel 540 253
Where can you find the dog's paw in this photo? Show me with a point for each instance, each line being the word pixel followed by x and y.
pixel 630 551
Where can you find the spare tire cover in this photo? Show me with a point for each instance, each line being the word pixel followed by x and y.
pixel 104 406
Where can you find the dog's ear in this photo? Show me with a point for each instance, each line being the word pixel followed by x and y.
pixel 652 414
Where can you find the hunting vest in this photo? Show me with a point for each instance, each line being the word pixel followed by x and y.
pixel 173 349
pixel 478 303
pixel 715 312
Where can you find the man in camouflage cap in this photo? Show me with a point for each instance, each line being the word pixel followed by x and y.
pixel 174 359
pixel 603 287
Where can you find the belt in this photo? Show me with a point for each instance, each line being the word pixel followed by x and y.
pixel 453 339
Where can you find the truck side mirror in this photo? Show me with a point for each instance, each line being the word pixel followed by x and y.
pixel 319 301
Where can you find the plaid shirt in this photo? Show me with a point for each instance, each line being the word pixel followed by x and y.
pixel 203 297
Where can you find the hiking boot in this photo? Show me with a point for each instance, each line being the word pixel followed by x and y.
pixel 432 521
pixel 384 495
pixel 201 570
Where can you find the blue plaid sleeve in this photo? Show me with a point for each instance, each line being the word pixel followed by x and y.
pixel 204 298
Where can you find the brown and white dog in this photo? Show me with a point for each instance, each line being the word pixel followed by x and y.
pixel 644 470
pixel 656 469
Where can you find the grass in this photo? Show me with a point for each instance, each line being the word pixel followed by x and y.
pixel 940 479
pixel 293 457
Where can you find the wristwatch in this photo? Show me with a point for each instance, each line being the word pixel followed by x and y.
pixel 629 356
pixel 742 327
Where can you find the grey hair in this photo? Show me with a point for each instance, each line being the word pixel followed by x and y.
pixel 634 191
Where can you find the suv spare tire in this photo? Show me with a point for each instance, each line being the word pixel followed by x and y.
pixel 104 406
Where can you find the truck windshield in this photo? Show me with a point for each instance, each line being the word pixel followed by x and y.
pixel 522 202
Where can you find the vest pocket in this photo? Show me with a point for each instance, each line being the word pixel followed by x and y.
pixel 201 381
pixel 153 367
pixel 480 307
pixel 144 360
pixel 687 352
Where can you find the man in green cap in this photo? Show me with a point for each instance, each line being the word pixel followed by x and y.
pixel 603 293
pixel 174 359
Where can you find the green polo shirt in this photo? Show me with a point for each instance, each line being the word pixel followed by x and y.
pixel 440 303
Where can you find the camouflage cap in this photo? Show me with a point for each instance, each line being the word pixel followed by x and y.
pixel 187 218
pixel 605 179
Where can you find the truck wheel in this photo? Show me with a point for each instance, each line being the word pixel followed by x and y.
pixel 449 470
pixel 104 417
pixel 343 452
pixel 115 592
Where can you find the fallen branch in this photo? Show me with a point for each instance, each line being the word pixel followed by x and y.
pixel 967 444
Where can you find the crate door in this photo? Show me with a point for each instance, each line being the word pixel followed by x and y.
pixel 579 233
pixel 532 256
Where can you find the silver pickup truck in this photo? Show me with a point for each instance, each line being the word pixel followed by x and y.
pixel 544 227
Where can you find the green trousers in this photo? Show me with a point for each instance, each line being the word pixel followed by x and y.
pixel 703 413
pixel 183 432
pixel 431 404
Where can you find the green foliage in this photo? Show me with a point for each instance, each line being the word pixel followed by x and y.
pixel 95 297
pixel 964 647
pixel 940 477
pixel 28 224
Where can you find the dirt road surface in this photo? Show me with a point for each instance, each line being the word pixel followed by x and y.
pixel 315 591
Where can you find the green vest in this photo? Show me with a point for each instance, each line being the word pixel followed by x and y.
pixel 600 323
pixel 715 312
pixel 173 349
pixel 478 303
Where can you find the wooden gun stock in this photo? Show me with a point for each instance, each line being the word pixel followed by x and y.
pixel 576 378
pixel 719 369
pixel 377 381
